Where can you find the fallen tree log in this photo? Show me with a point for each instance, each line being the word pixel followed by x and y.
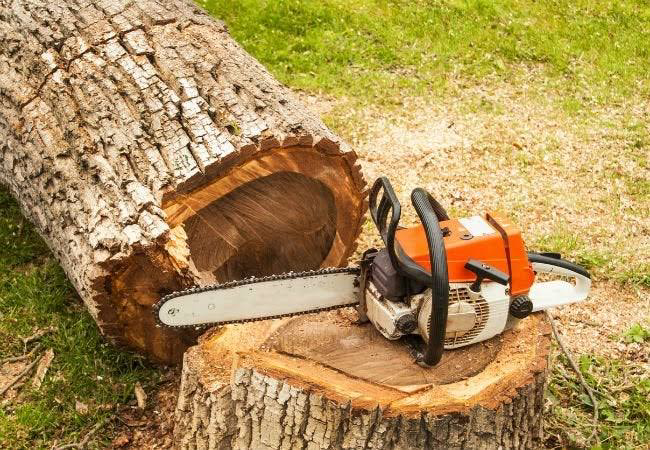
pixel 153 153
pixel 322 381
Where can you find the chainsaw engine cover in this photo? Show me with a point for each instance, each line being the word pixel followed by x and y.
pixel 492 239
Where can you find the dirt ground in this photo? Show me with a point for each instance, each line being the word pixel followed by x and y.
pixel 507 149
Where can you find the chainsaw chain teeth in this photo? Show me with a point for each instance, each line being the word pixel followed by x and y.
pixel 247 281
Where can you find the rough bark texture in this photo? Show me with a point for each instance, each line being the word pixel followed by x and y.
pixel 240 388
pixel 121 122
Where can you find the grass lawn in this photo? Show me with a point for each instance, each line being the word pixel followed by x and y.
pixel 379 51
pixel 88 379
pixel 587 62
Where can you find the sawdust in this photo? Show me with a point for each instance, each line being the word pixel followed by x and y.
pixel 596 325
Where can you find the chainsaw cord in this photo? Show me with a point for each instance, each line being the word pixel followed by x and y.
pixel 582 380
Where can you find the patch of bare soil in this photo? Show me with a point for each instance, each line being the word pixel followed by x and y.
pixel 150 427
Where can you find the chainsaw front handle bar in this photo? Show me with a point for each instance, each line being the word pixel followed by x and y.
pixel 430 213
pixel 549 294
pixel 438 210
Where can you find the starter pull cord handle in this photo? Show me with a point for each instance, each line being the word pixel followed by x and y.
pixel 430 213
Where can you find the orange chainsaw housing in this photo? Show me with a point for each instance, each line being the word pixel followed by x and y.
pixel 504 249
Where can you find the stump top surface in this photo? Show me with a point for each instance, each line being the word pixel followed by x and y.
pixel 362 352
pixel 349 363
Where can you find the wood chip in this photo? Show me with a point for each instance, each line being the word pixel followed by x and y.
pixel 80 407
pixel 121 441
pixel 140 395
pixel 25 371
pixel 41 370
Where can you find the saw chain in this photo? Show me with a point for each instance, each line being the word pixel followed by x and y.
pixel 251 281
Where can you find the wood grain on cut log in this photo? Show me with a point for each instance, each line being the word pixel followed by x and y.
pixel 322 381
pixel 153 153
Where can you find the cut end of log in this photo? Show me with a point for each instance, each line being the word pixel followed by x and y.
pixel 284 209
pixel 288 209
pixel 279 222
pixel 297 378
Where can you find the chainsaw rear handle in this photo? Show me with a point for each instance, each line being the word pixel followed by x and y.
pixel 379 213
pixel 549 294
pixel 430 213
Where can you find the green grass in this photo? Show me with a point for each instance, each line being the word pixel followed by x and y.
pixel 381 50
pixel 622 391
pixel 637 333
pixel 636 275
pixel 572 247
pixel 35 294
pixel 604 263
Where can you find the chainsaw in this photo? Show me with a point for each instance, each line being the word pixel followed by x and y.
pixel 453 282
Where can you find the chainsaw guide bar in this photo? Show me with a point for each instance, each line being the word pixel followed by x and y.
pixel 158 307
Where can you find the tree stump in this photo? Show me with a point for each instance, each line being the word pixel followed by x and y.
pixel 323 381
pixel 153 153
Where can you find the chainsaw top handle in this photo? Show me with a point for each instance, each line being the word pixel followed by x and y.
pixel 430 213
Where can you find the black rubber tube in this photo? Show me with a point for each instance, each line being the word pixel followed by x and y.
pixel 441 214
pixel 439 275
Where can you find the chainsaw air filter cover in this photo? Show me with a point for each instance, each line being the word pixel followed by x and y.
pixel 385 278
pixel 472 316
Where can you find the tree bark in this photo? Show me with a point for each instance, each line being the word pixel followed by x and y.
pixel 153 153
pixel 322 381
